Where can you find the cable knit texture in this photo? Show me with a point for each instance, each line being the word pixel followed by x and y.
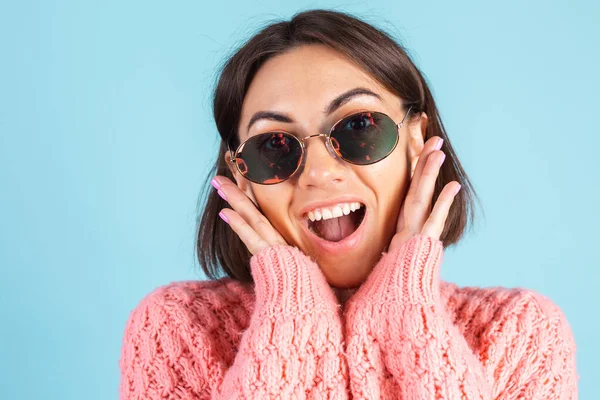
pixel 404 334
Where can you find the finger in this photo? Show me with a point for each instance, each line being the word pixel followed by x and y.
pixel 246 209
pixel 419 203
pixel 428 148
pixel 434 226
pixel 251 239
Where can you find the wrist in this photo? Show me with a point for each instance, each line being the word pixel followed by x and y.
pixel 407 275
pixel 288 282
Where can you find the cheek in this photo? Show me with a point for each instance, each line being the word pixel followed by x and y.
pixel 274 202
pixel 389 180
pixel 388 176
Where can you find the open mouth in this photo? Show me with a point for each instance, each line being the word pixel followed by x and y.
pixel 336 223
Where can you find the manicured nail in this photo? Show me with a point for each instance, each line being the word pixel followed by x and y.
pixel 439 144
pixel 215 183
pixel 442 159
pixel 223 217
pixel 222 195
pixel 459 186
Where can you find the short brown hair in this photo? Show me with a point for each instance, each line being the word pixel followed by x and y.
pixel 218 248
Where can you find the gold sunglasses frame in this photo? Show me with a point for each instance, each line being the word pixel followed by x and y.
pixel 328 145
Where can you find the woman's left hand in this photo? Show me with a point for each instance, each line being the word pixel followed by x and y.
pixel 416 215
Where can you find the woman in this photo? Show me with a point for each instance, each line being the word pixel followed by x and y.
pixel 333 205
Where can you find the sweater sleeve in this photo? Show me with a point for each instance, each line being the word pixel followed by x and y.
pixel 402 342
pixel 292 347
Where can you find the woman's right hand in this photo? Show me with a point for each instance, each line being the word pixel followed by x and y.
pixel 287 280
pixel 253 228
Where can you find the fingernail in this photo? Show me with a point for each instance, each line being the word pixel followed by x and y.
pixel 222 195
pixel 442 159
pixel 215 183
pixel 439 144
pixel 457 189
pixel 223 217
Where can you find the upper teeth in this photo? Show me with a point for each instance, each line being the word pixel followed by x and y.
pixel 333 212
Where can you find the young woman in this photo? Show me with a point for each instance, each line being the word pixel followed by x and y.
pixel 337 191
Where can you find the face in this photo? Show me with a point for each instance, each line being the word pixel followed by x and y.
pixel 300 85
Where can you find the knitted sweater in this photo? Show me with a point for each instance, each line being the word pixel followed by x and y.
pixel 404 334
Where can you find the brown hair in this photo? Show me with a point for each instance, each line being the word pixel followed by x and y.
pixel 219 249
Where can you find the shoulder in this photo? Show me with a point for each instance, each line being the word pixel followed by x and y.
pixel 495 300
pixel 200 322
pixel 208 293
pixel 185 301
pixel 486 312
pixel 207 314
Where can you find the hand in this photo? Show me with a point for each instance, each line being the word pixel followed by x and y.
pixel 287 281
pixel 415 216
pixel 253 228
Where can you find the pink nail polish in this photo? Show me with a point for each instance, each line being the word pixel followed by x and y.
pixel 439 144
pixel 459 186
pixel 223 217
pixel 215 183
pixel 222 195
pixel 442 159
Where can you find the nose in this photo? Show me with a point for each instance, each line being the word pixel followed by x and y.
pixel 321 167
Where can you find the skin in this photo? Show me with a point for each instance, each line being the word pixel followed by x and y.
pixel 397 191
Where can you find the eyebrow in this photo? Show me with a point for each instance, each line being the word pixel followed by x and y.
pixel 334 105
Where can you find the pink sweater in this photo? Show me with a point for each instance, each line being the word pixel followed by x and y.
pixel 405 334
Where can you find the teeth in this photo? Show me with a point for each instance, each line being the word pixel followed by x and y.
pixel 318 215
pixel 333 212
pixel 337 212
pixel 346 209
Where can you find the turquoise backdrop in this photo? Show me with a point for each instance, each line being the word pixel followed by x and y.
pixel 106 137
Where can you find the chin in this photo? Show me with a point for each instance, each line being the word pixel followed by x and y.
pixel 346 284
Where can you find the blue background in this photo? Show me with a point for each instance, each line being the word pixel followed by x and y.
pixel 106 136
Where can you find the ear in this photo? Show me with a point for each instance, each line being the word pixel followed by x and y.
pixel 242 183
pixel 417 132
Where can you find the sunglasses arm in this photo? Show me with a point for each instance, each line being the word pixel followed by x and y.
pixel 231 155
pixel 401 123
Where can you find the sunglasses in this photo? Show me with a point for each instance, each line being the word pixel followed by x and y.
pixel 362 138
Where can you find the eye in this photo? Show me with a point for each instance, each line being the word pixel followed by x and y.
pixel 275 141
pixel 359 122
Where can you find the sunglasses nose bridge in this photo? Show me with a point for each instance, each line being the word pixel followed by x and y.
pixel 315 135
pixel 327 144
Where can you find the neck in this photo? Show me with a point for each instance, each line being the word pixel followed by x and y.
pixel 343 294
